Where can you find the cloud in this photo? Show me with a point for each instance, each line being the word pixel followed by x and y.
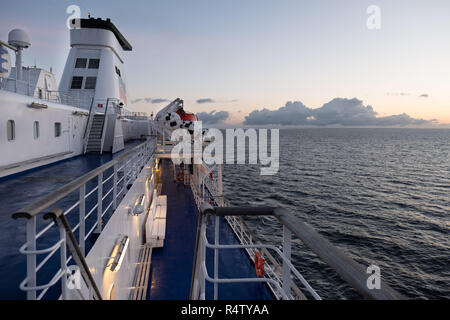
pixel 213 117
pixel 150 100
pixel 291 114
pixel 339 111
pixel 205 100
pixel 425 95
pixel 398 94
pixel 159 100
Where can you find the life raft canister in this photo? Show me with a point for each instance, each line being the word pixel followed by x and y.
pixel 259 264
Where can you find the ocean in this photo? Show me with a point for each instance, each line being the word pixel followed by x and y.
pixel 380 195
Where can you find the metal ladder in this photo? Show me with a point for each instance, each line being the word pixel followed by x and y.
pixel 94 140
pixel 96 128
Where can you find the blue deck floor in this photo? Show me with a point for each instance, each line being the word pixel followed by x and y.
pixel 171 267
pixel 22 189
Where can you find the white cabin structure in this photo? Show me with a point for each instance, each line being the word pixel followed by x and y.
pixel 42 122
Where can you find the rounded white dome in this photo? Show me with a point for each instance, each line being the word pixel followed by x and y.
pixel 19 38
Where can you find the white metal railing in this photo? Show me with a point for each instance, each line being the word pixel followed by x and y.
pixel 88 127
pixel 133 114
pixel 121 172
pixel 278 273
pixel 205 190
pixel 105 121
pixel 77 98
pixel 281 284
pixel 349 270
pixel 272 269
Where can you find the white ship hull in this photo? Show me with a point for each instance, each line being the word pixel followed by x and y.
pixel 29 149
pixel 26 149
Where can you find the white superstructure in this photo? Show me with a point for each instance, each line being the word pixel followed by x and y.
pixel 41 122
pixel 95 62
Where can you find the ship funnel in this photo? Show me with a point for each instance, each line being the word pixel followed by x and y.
pixel 20 40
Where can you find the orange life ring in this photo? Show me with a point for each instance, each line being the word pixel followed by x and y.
pixel 259 264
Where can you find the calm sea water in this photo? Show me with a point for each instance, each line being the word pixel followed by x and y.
pixel 381 195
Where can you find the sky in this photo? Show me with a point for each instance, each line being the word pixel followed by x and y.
pixel 245 60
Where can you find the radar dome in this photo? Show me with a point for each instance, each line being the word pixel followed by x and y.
pixel 19 38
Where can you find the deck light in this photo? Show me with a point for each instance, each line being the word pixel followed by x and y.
pixel 138 206
pixel 119 251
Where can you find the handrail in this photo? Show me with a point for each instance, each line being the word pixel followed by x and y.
pixel 61 221
pixel 44 203
pixel 352 272
pixel 237 280
pixel 130 163
pixel 246 236
pixel 254 239
pixel 196 253
pixel 89 119
pixel 102 138
pixel 23 285
pixel 264 246
pixel 78 99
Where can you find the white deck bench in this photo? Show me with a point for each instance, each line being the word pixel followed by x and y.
pixel 156 223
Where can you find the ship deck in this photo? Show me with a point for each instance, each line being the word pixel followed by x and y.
pixel 171 266
pixel 19 190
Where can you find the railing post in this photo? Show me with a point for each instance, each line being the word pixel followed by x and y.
pixel 63 256
pixel 31 258
pixel 202 261
pixel 131 168
pixel 216 257
pixel 135 164
pixel 287 254
pixel 115 187
pixel 82 229
pixel 99 202
pixel 219 183
pixel 125 175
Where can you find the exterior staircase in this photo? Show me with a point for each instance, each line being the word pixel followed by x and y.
pixel 94 139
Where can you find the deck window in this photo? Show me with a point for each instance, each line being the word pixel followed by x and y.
pixel 77 83
pixel 36 130
pixel 81 63
pixel 57 129
pixel 90 82
pixel 94 63
pixel 11 127
pixel 118 71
